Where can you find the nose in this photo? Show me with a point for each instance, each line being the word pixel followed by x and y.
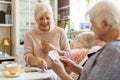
pixel 44 20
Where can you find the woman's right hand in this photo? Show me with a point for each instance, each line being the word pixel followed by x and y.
pixel 59 69
pixel 41 63
pixel 68 64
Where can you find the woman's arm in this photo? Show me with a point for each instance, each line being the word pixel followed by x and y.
pixel 59 67
pixel 76 69
pixel 71 65
pixel 64 44
pixel 29 57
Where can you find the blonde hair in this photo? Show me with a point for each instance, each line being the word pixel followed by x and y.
pixel 105 11
pixel 41 8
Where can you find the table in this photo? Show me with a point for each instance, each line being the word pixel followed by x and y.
pixel 28 76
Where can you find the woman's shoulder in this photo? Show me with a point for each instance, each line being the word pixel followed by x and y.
pixel 113 44
pixel 111 49
pixel 59 29
pixel 30 32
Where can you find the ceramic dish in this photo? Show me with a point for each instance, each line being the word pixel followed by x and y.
pixel 7 74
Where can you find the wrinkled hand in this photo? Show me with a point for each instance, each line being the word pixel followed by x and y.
pixel 57 67
pixel 42 64
pixel 68 63
pixel 46 46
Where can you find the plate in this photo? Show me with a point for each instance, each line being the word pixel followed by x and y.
pixel 38 75
pixel 32 69
pixel 7 74
pixel 46 74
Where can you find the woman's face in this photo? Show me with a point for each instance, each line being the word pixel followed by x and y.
pixel 44 22
pixel 99 31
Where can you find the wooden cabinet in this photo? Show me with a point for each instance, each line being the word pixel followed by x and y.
pixel 6 13
pixel 63 10
pixel 6 21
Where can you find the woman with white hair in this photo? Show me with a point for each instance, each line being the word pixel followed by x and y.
pixel 105 64
pixel 44 38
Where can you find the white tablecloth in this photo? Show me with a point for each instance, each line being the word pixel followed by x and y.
pixel 28 75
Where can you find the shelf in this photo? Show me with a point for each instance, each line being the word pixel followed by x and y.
pixel 6 2
pixel 11 57
pixel 63 19
pixel 6 25
pixel 64 7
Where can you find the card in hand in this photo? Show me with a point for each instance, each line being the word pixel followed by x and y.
pixel 54 55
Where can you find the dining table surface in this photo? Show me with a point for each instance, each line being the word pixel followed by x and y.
pixel 28 75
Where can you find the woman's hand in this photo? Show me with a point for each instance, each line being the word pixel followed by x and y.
pixel 46 46
pixel 41 63
pixel 59 69
pixel 57 66
pixel 71 65
pixel 68 64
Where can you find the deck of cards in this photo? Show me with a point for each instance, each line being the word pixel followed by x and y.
pixel 54 55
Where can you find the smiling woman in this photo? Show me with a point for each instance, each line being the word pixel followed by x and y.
pixel 43 38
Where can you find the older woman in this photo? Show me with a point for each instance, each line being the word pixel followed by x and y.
pixel 45 37
pixel 105 64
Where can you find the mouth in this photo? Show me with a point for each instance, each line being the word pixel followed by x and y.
pixel 44 25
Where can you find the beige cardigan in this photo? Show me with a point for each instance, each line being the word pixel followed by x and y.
pixel 32 43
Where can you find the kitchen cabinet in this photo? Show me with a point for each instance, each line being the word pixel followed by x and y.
pixel 63 10
pixel 63 15
pixel 6 21
pixel 6 13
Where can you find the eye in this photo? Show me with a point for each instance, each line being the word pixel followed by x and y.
pixel 48 18
pixel 41 18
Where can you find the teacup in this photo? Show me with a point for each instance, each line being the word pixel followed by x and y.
pixel 4 63
pixel 13 69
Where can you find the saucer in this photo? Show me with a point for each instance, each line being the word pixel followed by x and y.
pixel 7 74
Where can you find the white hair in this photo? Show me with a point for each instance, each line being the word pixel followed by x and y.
pixel 42 8
pixel 105 11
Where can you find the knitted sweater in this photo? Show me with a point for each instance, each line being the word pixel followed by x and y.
pixel 32 44
pixel 104 65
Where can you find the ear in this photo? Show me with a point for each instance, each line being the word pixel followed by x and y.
pixel 105 25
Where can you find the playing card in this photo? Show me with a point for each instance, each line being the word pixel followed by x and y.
pixel 54 55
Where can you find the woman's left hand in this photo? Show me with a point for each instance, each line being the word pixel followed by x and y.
pixel 46 46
